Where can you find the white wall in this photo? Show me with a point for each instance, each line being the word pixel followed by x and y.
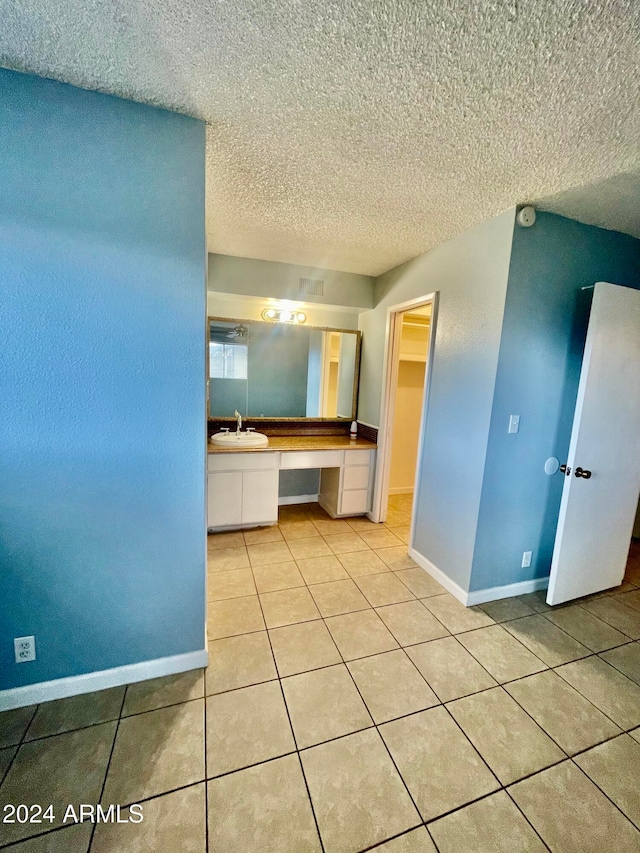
pixel 470 275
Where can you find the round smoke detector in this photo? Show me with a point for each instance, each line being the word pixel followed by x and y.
pixel 526 216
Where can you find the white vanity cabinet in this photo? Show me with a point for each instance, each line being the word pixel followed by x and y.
pixel 347 490
pixel 242 489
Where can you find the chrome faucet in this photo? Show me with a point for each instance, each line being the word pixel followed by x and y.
pixel 237 415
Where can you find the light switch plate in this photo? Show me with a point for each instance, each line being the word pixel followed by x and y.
pixel 514 423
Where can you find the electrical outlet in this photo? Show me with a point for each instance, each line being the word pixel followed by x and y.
pixel 526 559
pixel 25 649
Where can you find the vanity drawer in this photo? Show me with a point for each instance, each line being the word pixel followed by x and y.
pixel 356 477
pixel 241 461
pixel 310 459
pixel 354 502
pixel 357 457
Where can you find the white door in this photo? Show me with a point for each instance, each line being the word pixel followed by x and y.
pixel 602 480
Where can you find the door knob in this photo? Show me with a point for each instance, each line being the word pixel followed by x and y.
pixel 580 472
pixel 565 470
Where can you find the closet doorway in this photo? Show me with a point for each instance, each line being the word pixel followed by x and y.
pixel 408 356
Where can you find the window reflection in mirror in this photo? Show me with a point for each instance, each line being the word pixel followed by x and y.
pixel 275 370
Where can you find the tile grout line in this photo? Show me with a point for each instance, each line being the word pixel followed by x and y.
pixel 106 774
pixel 110 719
pixel 602 791
pixel 543 614
pixel 375 725
pixel 293 734
pixel 379 844
pixel 18 745
pixel 542 841
pixel 605 624
pixel 499 790
pixel 242 767
pixel 586 749
pixel 548 668
pixel 125 805
pixel 524 677
pixel 30 838
pixel 588 699
pixel 524 646
pixel 534 721
pixel 617 668
pixel 384 743
pixel 581 604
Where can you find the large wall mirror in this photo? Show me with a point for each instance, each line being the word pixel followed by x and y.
pixel 280 370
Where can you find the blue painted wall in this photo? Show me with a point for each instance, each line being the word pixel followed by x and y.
pixel 102 436
pixel 543 334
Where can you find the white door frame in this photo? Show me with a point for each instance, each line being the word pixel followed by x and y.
pixel 387 403
pixel 324 373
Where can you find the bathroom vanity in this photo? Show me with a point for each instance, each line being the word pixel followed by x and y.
pixel 243 484
pixel 295 376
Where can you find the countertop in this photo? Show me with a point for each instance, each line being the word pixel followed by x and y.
pixel 301 442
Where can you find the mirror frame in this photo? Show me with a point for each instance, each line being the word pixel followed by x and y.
pixel 356 373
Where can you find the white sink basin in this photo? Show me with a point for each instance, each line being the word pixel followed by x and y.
pixel 239 439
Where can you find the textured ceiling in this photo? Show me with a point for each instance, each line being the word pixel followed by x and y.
pixel 355 134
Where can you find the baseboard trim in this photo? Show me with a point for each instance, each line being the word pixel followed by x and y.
pixel 493 593
pixel 60 688
pixel 439 575
pixel 477 596
pixel 297 499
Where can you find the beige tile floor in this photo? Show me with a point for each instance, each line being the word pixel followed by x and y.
pixel 352 704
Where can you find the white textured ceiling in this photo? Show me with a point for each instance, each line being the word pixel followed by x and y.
pixel 355 134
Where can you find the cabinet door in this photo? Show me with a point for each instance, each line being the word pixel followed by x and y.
pixel 259 497
pixel 224 505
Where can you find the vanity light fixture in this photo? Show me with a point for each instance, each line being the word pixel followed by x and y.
pixel 277 315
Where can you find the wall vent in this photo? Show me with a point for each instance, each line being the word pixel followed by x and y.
pixel 311 286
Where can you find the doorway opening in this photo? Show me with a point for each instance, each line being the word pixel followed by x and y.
pixel 330 372
pixel 408 359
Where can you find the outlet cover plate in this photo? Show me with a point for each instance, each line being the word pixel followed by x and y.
pixel 25 649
